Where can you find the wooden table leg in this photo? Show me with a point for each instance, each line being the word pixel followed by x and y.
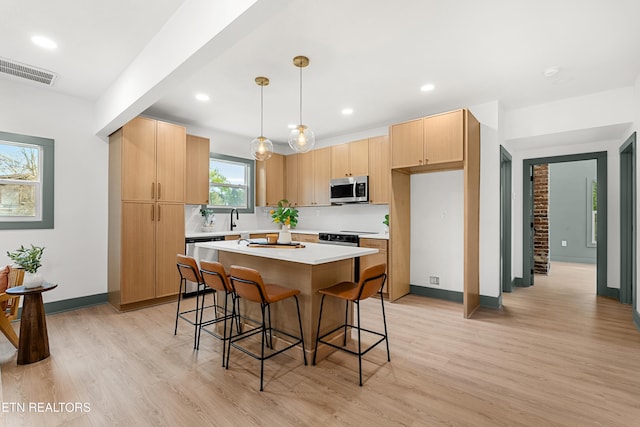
pixel 7 330
pixel 34 340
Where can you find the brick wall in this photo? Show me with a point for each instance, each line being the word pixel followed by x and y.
pixel 541 219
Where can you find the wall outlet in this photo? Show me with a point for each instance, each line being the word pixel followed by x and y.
pixel 434 280
pixel 563 243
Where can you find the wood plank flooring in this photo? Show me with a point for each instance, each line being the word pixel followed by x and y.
pixel 554 355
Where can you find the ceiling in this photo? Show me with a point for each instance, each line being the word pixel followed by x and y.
pixel 369 55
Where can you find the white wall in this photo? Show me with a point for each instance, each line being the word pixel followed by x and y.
pixel 76 248
pixel 437 229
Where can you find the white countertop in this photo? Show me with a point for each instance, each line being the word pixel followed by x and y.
pixel 312 253
pixel 272 230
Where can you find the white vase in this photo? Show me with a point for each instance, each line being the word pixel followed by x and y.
pixel 32 280
pixel 284 237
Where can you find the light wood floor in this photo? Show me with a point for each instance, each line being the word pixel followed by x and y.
pixel 554 355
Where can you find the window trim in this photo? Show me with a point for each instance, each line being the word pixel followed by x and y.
pixel 251 182
pixel 47 180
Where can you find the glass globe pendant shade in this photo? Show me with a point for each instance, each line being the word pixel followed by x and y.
pixel 301 139
pixel 261 148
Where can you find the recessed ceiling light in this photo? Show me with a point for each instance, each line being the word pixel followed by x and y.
pixel 202 97
pixel 44 42
pixel 292 126
pixel 427 88
pixel 551 71
pixel 347 111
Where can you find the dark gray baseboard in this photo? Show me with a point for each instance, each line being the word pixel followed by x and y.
pixel 455 296
pixel 72 304
pixel 491 302
pixel 636 319
pixel 517 282
pixel 613 293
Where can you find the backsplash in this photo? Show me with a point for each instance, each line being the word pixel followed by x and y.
pixel 355 217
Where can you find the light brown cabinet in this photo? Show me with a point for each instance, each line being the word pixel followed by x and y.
pixel 270 181
pixel 197 170
pixel 314 177
pixel 305 237
pixel 291 179
pixel 351 159
pixel 379 170
pixel 380 258
pixel 153 161
pixel 451 141
pixel 435 142
pixel 146 212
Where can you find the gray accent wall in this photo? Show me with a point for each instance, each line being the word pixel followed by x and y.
pixel 570 211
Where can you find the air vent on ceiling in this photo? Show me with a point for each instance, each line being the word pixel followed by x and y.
pixel 28 72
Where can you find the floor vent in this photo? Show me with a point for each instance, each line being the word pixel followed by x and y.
pixel 28 72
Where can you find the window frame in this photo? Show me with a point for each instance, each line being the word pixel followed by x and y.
pixel 46 181
pixel 250 164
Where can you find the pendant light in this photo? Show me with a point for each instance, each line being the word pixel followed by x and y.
pixel 261 147
pixel 301 138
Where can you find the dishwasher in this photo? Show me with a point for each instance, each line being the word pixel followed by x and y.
pixel 199 253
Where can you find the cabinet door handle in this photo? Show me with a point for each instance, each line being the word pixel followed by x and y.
pixel 152 213
pixel 420 161
pixel 153 190
pixel 159 191
pixel 158 211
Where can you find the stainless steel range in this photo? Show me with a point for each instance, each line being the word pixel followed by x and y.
pixel 345 238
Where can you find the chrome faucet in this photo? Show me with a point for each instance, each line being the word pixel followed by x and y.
pixel 231 223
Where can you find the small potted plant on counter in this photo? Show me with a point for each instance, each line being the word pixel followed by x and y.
pixel 29 259
pixel 286 215
pixel 209 218
pixel 386 222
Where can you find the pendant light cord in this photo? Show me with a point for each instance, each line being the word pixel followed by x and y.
pixel 300 96
pixel 261 110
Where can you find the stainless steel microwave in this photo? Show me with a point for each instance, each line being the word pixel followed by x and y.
pixel 354 189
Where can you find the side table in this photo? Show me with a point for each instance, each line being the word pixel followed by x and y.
pixel 33 344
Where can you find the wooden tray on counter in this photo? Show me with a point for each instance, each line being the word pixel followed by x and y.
pixel 292 245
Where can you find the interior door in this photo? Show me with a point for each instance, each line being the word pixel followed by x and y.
pixel 505 220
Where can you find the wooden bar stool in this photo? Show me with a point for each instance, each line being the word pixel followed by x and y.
pixel 247 283
pixel 188 269
pixel 216 278
pixel 370 283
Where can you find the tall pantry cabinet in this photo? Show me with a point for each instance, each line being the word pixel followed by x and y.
pixel 146 212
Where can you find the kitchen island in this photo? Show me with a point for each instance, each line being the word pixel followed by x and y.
pixel 308 269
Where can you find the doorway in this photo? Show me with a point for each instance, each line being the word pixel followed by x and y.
pixel 628 232
pixel 600 221
pixel 505 220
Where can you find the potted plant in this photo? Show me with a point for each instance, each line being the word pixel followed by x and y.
pixel 386 222
pixel 286 215
pixel 29 259
pixel 209 218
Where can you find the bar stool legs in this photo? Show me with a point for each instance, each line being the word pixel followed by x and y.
pixel 372 282
pixel 247 284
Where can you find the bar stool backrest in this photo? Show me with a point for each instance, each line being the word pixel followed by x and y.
pixel 372 280
pixel 214 276
pixel 188 268
pixel 247 283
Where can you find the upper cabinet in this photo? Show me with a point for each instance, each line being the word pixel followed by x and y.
pixel 197 181
pixel 314 177
pixel 291 179
pixel 153 161
pixel 434 142
pixel 379 170
pixel 350 159
pixel 270 180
